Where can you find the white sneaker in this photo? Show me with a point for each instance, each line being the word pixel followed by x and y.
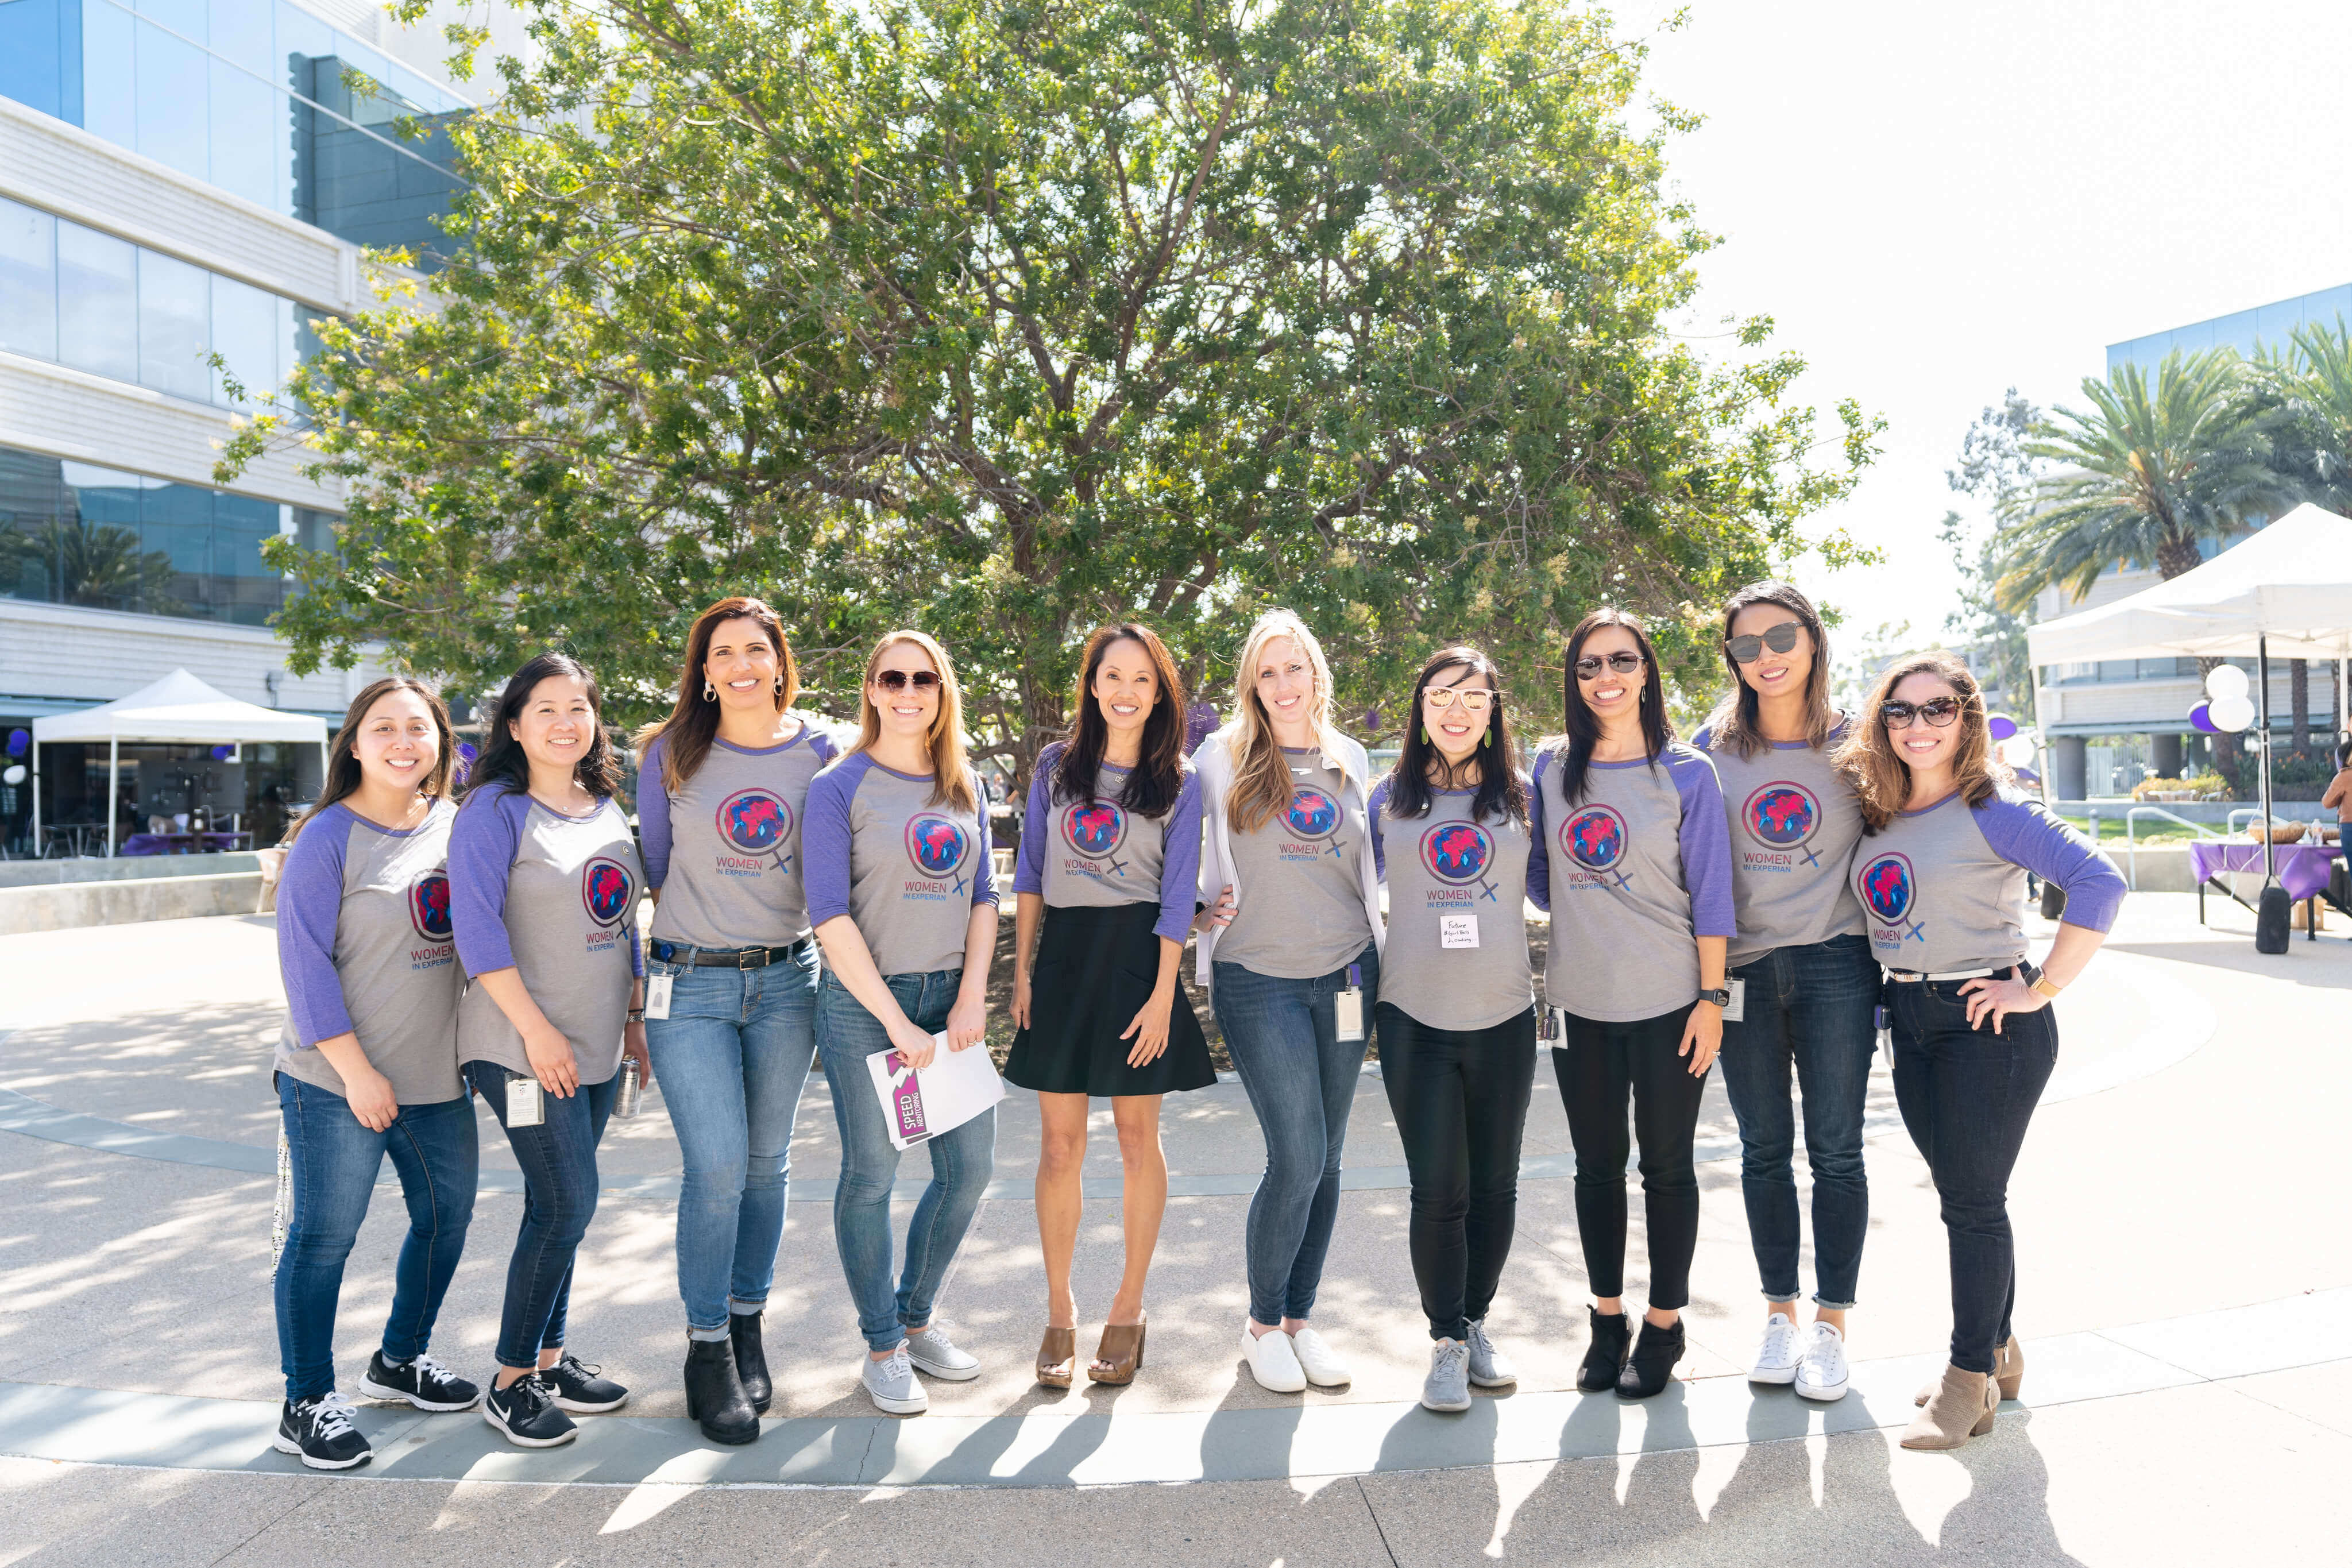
pixel 1321 1363
pixel 1490 1368
pixel 892 1383
pixel 932 1351
pixel 1273 1362
pixel 1447 1387
pixel 1777 1357
pixel 1822 1373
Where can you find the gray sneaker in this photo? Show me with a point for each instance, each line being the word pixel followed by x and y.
pixel 890 1384
pixel 932 1351
pixel 1490 1368
pixel 1447 1387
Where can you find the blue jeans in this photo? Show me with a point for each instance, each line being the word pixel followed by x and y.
pixel 731 1059
pixel 1301 1078
pixel 963 1160
pixel 559 1198
pixel 1808 1007
pixel 335 1160
pixel 1967 1096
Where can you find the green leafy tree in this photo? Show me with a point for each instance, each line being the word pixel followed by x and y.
pixel 1003 318
pixel 1994 470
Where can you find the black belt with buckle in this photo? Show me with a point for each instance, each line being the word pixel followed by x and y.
pixel 726 957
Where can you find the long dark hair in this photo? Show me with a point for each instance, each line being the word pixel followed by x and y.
pixel 1583 729
pixel 693 721
pixel 1732 725
pixel 342 756
pixel 503 760
pixel 1158 773
pixel 1500 795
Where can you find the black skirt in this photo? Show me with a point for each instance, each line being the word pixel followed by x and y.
pixel 1095 971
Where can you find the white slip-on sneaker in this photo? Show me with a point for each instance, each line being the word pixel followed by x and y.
pixel 1777 1357
pixel 1490 1368
pixel 1821 1374
pixel 932 1351
pixel 892 1385
pixel 1273 1362
pixel 1447 1387
pixel 1321 1363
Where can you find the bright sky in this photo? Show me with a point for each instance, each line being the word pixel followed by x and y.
pixel 1938 202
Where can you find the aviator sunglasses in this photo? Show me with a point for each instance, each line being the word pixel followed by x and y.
pixel 900 680
pixel 1937 711
pixel 1623 663
pixel 1779 639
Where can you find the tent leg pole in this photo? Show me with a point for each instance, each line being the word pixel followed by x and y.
pixel 2263 675
pixel 113 766
pixel 37 800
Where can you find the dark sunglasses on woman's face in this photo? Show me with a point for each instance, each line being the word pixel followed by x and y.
pixel 1937 711
pixel 1623 663
pixel 900 680
pixel 1779 639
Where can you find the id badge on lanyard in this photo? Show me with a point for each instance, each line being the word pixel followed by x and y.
pixel 1347 1008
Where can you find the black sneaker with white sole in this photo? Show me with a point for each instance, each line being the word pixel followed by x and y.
pixel 424 1383
pixel 582 1387
pixel 320 1431
pixel 525 1411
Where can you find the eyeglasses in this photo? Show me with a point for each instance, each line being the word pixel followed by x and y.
pixel 1937 711
pixel 1779 639
pixel 1472 702
pixel 1623 663
pixel 900 680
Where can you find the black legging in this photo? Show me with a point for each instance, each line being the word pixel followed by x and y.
pixel 1460 1098
pixel 1599 1065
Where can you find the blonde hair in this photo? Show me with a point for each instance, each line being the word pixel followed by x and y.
pixel 1262 786
pixel 950 767
pixel 1881 779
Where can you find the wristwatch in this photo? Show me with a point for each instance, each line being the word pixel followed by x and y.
pixel 2041 984
pixel 1721 997
pixel 636 1014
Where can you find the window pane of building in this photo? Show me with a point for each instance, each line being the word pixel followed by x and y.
pixel 103 561
pixel 40 55
pixel 28 511
pixel 110 78
pixel 174 326
pixel 245 333
pixel 174 96
pixel 244 123
pixel 175 522
pixel 98 302
pixel 29 280
pixel 242 590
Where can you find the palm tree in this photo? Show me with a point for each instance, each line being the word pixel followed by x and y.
pixel 2306 407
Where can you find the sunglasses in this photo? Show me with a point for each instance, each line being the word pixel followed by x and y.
pixel 900 680
pixel 1937 711
pixel 1623 663
pixel 1472 702
pixel 1779 639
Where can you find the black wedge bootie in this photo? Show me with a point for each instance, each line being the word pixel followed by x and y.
pixel 1612 1336
pixel 714 1394
pixel 751 1360
pixel 1652 1366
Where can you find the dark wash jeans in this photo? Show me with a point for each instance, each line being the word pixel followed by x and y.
pixel 1601 1067
pixel 1811 1008
pixel 1967 1096
pixel 1460 1099
pixel 559 1198
pixel 335 1161
pixel 1301 1078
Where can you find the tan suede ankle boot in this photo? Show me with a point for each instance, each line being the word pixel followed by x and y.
pixel 2008 1371
pixel 1962 1409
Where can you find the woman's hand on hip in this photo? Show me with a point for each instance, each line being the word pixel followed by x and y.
pixel 1996 996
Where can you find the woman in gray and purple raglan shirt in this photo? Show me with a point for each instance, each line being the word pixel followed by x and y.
pixel 1633 858
pixel 901 894
pixel 544 881
pixel 1941 877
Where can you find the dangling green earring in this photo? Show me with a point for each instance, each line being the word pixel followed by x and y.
pixel 1424 735
pixel 1486 740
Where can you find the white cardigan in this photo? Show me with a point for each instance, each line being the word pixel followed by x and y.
pixel 1215 765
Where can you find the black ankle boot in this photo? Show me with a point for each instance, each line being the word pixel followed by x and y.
pixel 1611 1336
pixel 1653 1363
pixel 751 1360
pixel 714 1394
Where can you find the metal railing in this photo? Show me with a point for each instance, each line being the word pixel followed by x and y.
pixel 2131 839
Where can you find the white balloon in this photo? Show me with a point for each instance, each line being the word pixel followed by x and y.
pixel 14 775
pixel 2226 683
pixel 2019 751
pixel 2231 713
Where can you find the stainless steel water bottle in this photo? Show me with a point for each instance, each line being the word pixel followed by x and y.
pixel 633 1090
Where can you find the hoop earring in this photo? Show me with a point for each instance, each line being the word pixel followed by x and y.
pixel 780 686
pixel 709 692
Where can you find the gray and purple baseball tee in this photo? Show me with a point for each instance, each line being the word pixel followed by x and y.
pixel 1446 867
pixel 1094 854
pixel 1794 824
pixel 724 849
pixel 908 873
pixel 1632 873
pixel 555 899
pixel 364 947
pixel 1300 913
pixel 1944 888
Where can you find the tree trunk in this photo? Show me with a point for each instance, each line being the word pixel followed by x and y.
pixel 2299 684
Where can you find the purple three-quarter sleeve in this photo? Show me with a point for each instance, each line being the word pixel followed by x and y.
pixel 653 815
pixel 1372 808
pixel 1029 866
pixel 822 744
pixel 1538 841
pixel 2023 833
pixel 983 878
pixel 825 838
pixel 483 843
pixel 1180 861
pixel 1705 839
pixel 310 903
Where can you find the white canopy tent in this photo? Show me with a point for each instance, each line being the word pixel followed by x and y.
pixel 178 710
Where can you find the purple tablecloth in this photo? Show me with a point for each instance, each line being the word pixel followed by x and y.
pixel 2302 867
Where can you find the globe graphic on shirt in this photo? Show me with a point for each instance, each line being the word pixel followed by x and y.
pixel 1781 815
pixel 755 820
pixel 604 888
pixel 429 906
pixel 1887 887
pixel 1594 837
pixel 936 845
pixel 1457 852
pixel 1094 827
pixel 1313 814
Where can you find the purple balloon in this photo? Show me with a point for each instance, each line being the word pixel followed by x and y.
pixel 2001 726
pixel 19 742
pixel 220 753
pixel 466 750
pixel 2201 718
